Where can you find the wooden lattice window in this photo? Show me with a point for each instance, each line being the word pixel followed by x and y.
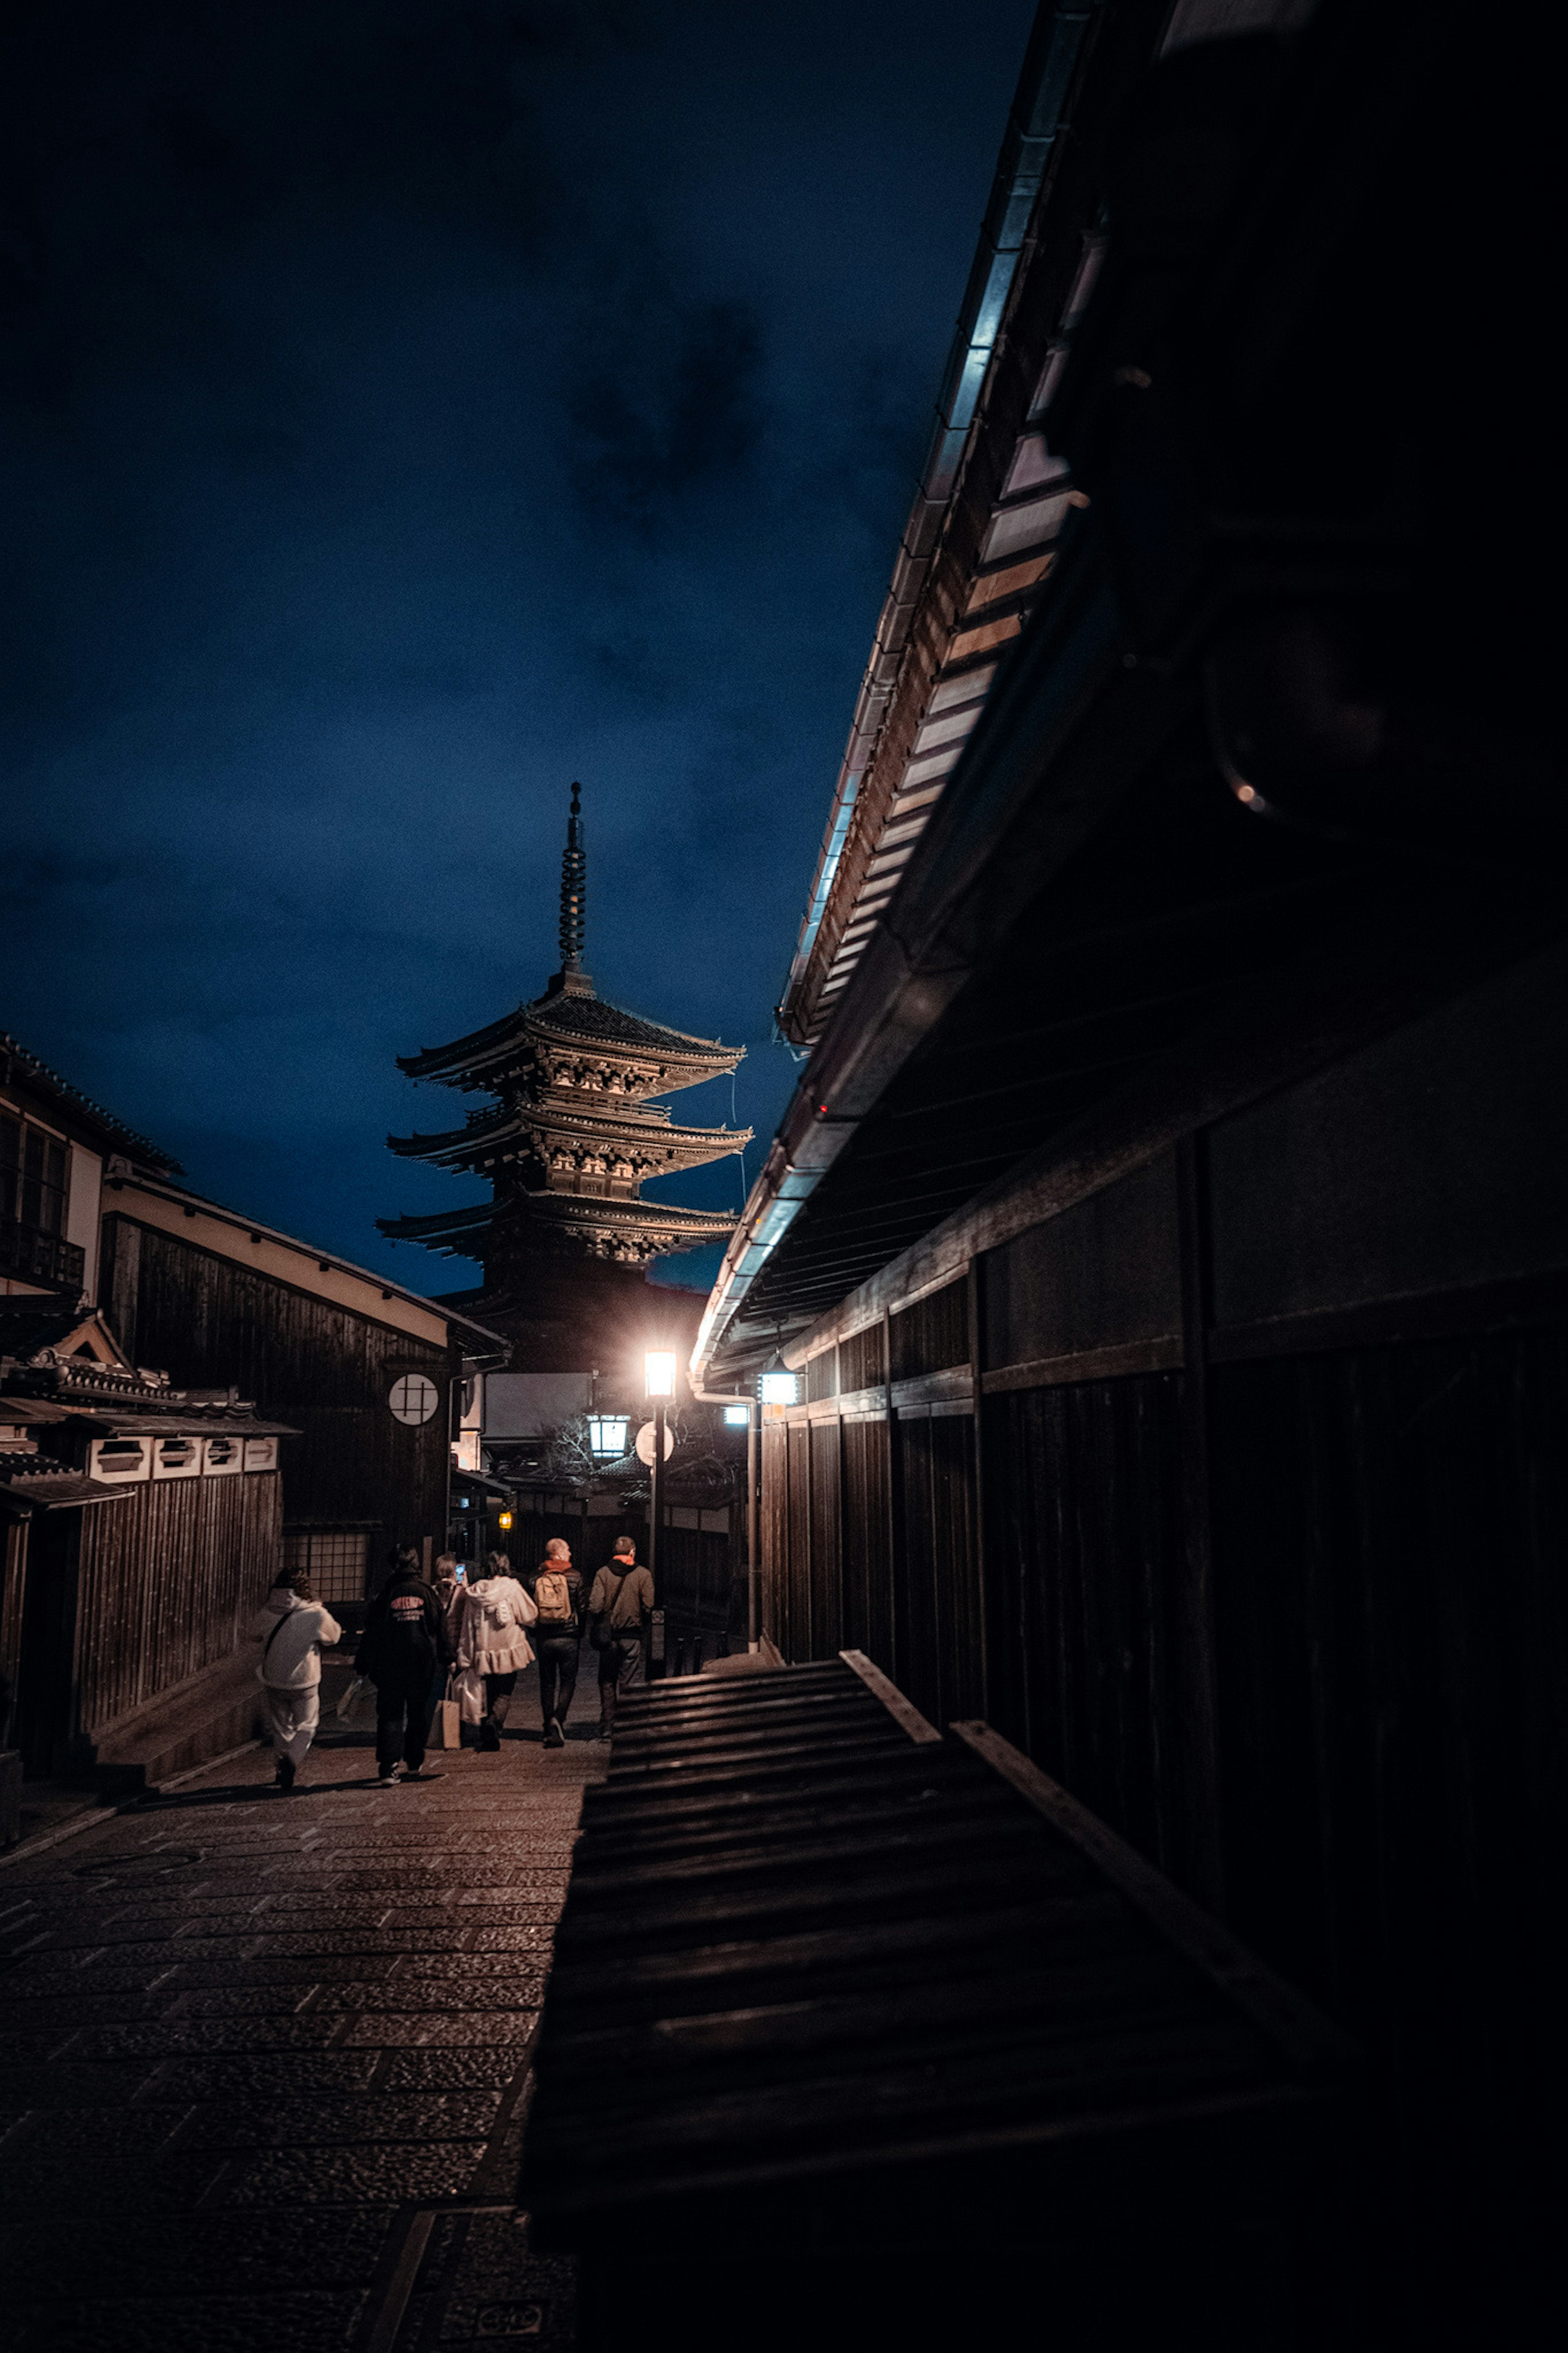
pixel 333 1560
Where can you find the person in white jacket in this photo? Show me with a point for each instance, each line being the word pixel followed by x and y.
pixel 292 1628
pixel 487 1626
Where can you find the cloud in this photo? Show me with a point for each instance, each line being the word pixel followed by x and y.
pixel 408 409
pixel 670 405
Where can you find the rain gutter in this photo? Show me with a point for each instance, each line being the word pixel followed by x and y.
pixel 1032 128
pixel 809 1138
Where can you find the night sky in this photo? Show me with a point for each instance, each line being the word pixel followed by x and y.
pixel 408 407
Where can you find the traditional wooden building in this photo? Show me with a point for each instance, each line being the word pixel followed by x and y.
pixel 123 1595
pixel 141 1527
pixel 368 1375
pixel 573 1133
pixel 1169 1228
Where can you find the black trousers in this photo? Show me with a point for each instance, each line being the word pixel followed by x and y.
pixel 402 1722
pixel 557 1676
pixel 621 1668
pixel 497 1703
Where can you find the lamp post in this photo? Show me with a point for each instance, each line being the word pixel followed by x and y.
pixel 659 1382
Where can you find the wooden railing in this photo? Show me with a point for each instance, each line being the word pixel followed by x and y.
pixel 33 1256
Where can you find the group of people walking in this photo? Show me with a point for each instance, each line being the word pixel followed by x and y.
pixel 420 1635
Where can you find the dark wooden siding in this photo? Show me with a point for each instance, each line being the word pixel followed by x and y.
pixel 939 1640
pixel 932 1334
pixel 1104 1274
pixel 865 1542
pixel 1083 1558
pixel 826 1582
pixel 863 1359
pixel 1391 1531
pixel 1282 1592
pixel 306 1361
pixel 167 1584
pixel 803 1632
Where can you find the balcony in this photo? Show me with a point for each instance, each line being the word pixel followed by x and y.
pixel 30 1255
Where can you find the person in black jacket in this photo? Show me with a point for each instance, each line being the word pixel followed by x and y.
pixel 403 1644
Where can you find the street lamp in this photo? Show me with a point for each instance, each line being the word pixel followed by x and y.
pixel 607 1436
pixel 737 1416
pixel 658 1381
pixel 779 1388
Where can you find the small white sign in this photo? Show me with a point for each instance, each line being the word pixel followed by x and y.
pixel 177 1458
pixel 646 1442
pixel 413 1400
pixel 261 1454
pixel 221 1457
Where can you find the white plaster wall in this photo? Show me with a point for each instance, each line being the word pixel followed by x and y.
pixel 84 1200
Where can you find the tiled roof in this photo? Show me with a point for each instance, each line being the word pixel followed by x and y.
pixel 569 1016
pixel 26 1325
pixel 595 1018
pixel 38 1074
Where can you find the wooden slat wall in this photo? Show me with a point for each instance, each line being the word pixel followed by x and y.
pixel 939 1642
pixel 167 1584
pixel 1391 1528
pixel 827 1581
pixel 209 1323
pixel 1083 1554
pixel 866 1544
pixel 1274 1579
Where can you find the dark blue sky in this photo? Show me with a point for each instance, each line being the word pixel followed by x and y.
pixel 409 407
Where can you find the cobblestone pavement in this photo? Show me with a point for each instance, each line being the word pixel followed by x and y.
pixel 264 2060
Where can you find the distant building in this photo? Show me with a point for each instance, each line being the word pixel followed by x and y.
pixel 368 1375
pixel 142 1532
pixel 571 1134
pixel 140 1517
pixel 125 1587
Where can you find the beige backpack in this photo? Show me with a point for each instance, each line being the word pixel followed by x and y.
pixel 552 1598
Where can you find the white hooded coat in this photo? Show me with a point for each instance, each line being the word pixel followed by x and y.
pixel 487 1626
pixel 292 1633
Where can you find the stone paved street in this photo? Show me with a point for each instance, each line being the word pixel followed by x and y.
pixel 264 2060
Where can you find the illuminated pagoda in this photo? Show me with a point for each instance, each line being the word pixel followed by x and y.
pixel 571 1132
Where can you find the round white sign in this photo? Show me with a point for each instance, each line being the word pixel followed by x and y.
pixel 413 1398
pixel 645 1442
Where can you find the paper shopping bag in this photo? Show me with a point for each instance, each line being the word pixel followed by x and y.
pixel 449 1725
pixel 469 1691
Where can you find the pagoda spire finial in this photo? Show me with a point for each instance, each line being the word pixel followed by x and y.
pixel 574 902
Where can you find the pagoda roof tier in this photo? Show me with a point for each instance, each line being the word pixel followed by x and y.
pixel 567 1021
pixel 603 1224
pixel 449 1229
pixel 649 1136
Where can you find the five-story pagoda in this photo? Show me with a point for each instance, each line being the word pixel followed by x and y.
pixel 570 1137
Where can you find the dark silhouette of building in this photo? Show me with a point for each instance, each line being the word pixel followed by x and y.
pixel 1169 1227
pixel 572 1134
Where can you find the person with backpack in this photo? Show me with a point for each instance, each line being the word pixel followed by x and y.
pixel 293 1629
pixel 487 1627
pixel 558 1596
pixel 620 1610
pixel 404 1644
